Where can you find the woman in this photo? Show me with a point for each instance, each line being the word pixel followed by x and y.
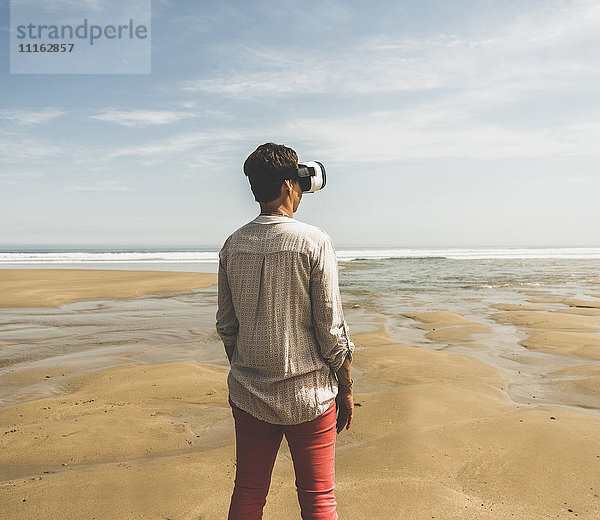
pixel 281 321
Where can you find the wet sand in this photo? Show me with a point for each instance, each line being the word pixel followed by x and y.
pixel 53 287
pixel 437 433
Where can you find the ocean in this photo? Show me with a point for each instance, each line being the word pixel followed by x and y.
pixel 378 276
pixel 380 280
pixel 377 285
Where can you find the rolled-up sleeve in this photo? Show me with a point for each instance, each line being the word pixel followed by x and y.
pixel 227 322
pixel 328 317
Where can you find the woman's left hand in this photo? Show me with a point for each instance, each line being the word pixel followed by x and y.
pixel 344 405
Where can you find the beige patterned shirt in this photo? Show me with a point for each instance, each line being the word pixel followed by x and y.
pixel 280 318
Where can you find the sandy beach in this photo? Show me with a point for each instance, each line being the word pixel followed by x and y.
pixel 140 430
pixel 53 287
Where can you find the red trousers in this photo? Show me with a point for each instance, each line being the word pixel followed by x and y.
pixel 312 445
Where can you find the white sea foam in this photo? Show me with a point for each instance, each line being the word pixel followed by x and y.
pixel 471 253
pixel 150 256
pixel 108 257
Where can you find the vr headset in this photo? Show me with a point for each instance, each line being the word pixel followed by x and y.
pixel 312 176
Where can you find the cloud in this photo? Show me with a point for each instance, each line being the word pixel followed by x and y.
pixel 394 137
pixel 440 129
pixel 15 148
pixel 24 116
pixel 211 142
pixel 98 186
pixel 377 138
pixel 403 97
pixel 436 95
pixel 57 5
pixel 545 49
pixel 259 84
pixel 15 177
pixel 136 118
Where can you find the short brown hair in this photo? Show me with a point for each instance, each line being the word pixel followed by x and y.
pixel 267 167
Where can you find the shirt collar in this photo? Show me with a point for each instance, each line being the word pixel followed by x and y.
pixel 271 219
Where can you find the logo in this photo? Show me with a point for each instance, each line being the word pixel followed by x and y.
pixel 104 37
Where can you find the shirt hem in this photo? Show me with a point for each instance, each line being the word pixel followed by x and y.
pixel 311 418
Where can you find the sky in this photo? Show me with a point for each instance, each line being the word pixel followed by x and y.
pixel 440 123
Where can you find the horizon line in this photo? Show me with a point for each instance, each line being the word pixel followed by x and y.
pixel 171 247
